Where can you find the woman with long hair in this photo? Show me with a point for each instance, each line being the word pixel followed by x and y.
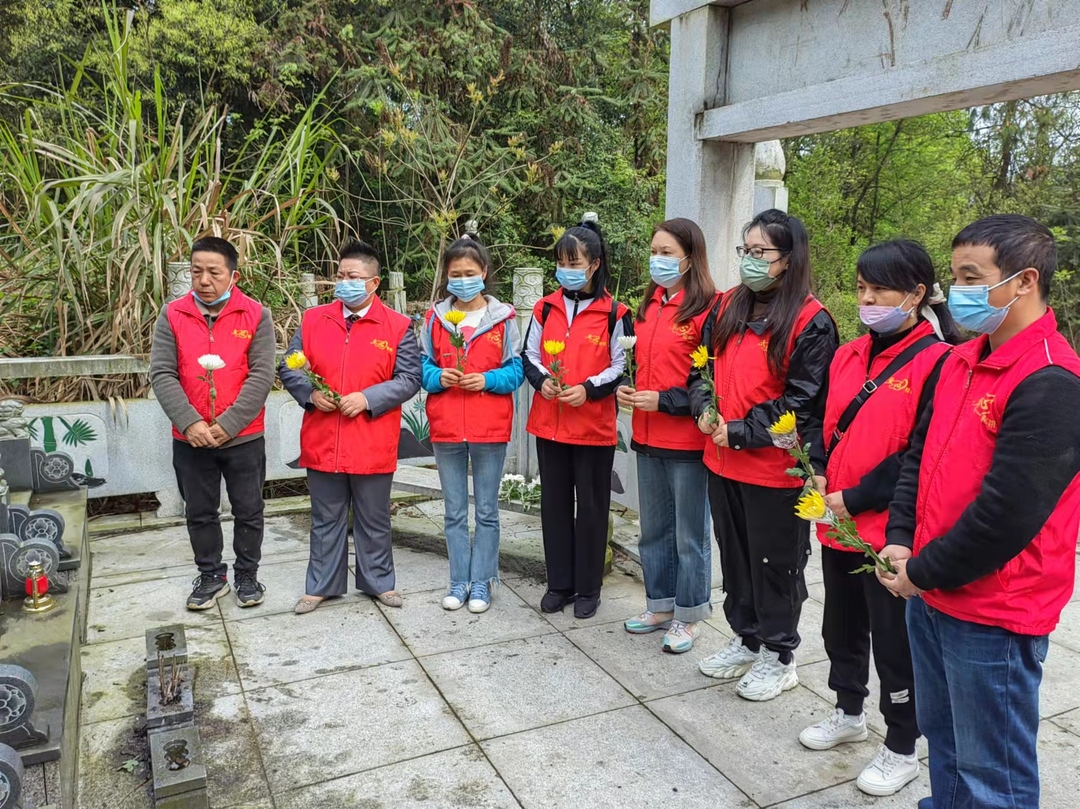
pixel 574 360
pixel 879 385
pixel 771 345
pixel 676 552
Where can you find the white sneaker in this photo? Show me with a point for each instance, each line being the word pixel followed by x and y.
pixel 731 662
pixel 837 729
pixel 888 773
pixel 456 598
pixel 768 678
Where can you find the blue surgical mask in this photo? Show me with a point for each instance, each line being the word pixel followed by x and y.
pixel 465 289
pixel 971 307
pixel 352 291
pixel 755 273
pixel 224 297
pixel 884 319
pixel 664 270
pixel 571 279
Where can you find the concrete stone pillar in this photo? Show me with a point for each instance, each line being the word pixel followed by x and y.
pixel 528 289
pixel 769 170
pixel 309 297
pixel 396 296
pixel 178 277
pixel 711 182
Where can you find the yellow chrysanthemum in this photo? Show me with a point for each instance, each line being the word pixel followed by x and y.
pixel 811 506
pixel 296 361
pixel 554 347
pixel 785 425
pixel 700 356
pixel 454 317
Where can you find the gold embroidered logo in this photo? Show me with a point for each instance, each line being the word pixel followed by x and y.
pixel 385 346
pixel 596 340
pixel 684 331
pixel 242 334
pixel 982 410
pixel 764 344
pixel 494 337
pixel 899 385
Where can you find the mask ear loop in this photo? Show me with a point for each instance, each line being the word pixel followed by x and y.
pixel 936 297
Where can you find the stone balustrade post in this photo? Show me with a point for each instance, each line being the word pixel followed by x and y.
pixel 528 289
pixel 396 296
pixel 769 170
pixel 308 295
pixel 178 276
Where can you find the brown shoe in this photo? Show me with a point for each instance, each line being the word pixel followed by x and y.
pixel 391 599
pixel 307 604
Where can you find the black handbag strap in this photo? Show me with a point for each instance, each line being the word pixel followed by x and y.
pixel 871 385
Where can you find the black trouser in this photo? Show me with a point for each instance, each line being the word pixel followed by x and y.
pixel 857 610
pixel 198 475
pixel 574 546
pixel 763 552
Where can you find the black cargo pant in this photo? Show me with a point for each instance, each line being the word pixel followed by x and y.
pixel 764 548
pixel 859 609
pixel 198 475
pixel 575 539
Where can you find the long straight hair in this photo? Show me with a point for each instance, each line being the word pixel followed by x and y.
pixel 698 288
pixel 903 264
pixel 586 239
pixel 787 233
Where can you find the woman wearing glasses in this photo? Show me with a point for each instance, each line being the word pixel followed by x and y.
pixel 772 343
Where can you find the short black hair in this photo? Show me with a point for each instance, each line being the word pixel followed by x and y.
pixel 212 244
pixel 360 250
pixel 1018 242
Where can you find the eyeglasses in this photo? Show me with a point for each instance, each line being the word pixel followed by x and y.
pixel 756 252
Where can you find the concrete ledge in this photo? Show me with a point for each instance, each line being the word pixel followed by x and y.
pixel 33 367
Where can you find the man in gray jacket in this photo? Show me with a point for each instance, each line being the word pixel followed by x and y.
pixel 211 368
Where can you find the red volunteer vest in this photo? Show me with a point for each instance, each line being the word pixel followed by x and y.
pixel 231 338
pixel 884 423
pixel 456 415
pixel 743 379
pixel 1027 595
pixel 587 354
pixel 662 357
pixel 350 361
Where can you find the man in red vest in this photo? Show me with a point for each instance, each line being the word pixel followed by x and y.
pixel 368 359
pixel 983 526
pixel 217 333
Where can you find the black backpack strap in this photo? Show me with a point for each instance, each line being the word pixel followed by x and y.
pixel 544 312
pixel 612 319
pixel 871 385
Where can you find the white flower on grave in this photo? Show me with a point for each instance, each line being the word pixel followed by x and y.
pixel 211 362
pixel 534 483
pixel 628 342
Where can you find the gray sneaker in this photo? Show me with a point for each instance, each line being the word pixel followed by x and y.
pixel 206 590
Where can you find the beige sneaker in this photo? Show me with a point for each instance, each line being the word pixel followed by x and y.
pixel 648 622
pixel 680 637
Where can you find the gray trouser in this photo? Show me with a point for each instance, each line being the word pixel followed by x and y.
pixel 328 567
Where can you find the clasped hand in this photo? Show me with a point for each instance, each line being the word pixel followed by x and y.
pixel 712 424
pixel 206 436
pixel 645 400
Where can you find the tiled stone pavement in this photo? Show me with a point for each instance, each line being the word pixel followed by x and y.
pixel 356 705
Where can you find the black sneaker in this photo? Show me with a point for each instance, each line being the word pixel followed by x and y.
pixel 554 602
pixel 206 590
pixel 248 590
pixel 586 607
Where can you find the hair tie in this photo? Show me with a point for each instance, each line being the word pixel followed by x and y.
pixel 936 295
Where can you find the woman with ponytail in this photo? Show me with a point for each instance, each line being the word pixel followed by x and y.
pixel 879 385
pixel 771 344
pixel 471 369
pixel 676 555
pixel 574 360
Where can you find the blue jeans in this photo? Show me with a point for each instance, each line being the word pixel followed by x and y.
pixel 675 548
pixel 476 561
pixel 977 702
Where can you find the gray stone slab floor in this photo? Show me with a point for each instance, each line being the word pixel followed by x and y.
pixel 357 706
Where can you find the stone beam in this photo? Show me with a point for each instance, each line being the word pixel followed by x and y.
pixel 1039 65
pixel 35 367
pixel 662 12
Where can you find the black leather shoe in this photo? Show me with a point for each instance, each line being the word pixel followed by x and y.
pixel 586 607
pixel 554 602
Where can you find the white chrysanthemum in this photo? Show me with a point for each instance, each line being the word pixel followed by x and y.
pixel 628 342
pixel 211 362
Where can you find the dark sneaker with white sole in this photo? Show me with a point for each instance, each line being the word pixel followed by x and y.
pixel 206 590
pixel 249 591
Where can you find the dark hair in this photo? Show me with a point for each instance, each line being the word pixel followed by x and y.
pixel 1018 242
pixel 698 289
pixel 586 238
pixel 903 264
pixel 788 234
pixel 468 246
pixel 212 244
pixel 359 250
